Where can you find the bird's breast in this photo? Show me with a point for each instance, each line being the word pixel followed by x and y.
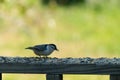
pixel 47 52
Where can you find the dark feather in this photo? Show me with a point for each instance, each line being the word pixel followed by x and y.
pixel 29 48
pixel 40 47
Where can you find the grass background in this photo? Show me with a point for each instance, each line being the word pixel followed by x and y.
pixel 88 30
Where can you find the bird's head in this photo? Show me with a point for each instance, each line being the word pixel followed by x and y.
pixel 53 46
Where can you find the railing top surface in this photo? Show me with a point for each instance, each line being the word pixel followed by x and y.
pixel 38 60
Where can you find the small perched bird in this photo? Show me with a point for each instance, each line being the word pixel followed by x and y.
pixel 43 49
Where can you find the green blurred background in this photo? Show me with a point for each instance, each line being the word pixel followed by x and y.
pixel 80 28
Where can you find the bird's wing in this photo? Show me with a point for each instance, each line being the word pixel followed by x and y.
pixel 40 47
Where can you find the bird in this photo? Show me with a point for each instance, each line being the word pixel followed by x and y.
pixel 43 49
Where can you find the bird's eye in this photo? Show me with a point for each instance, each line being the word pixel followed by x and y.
pixel 53 47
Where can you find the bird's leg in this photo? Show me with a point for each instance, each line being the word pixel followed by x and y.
pixel 40 56
pixel 46 57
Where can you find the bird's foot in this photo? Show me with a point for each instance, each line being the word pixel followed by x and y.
pixel 46 57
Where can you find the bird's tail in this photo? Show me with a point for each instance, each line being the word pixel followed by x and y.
pixel 29 48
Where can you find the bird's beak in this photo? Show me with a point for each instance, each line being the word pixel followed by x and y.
pixel 57 50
